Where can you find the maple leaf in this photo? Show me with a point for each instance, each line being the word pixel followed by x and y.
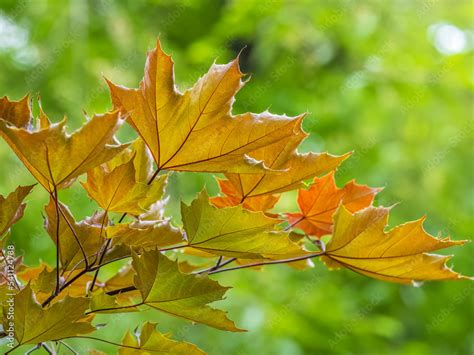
pixel 17 113
pixel 233 197
pixel 89 233
pixel 165 288
pixel 294 168
pixel 400 255
pixel 121 185
pixel 150 341
pixel 195 131
pixel 34 324
pixel 12 207
pixel 234 231
pixel 320 201
pixel 55 158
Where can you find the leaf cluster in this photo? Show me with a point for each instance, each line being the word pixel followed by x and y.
pixel 167 265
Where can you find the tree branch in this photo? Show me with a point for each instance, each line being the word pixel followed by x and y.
pixel 88 268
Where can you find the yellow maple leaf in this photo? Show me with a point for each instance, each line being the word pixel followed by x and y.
pixel 195 130
pixel 56 158
pixel 361 244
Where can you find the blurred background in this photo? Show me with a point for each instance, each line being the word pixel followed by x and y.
pixel 391 80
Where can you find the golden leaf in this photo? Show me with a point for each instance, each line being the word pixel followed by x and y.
pixel 400 255
pixel 55 158
pixel 121 185
pixel 195 130
pixel 12 207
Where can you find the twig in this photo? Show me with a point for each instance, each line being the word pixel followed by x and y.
pixel 104 249
pixel 215 267
pixel 47 348
pixel 121 290
pixel 105 341
pixel 70 348
pixel 115 308
pixel 214 270
pixel 36 347
pixel 273 262
pixel 53 296
pixel 88 268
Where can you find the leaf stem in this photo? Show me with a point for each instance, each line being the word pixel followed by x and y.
pixel 48 350
pixel 121 290
pixel 53 296
pixel 13 349
pixel 36 347
pixel 214 270
pixel 88 268
pixel 69 347
pixel 215 267
pixel 114 308
pixel 105 341
pixel 273 262
pixel 104 250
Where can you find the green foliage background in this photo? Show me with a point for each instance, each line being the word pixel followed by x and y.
pixel 374 81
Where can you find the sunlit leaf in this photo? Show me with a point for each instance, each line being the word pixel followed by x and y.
pixel 165 288
pixel 34 325
pixel 400 255
pixel 17 113
pixel 195 130
pixel 320 201
pixel 150 341
pixel 12 207
pixel 56 158
pixel 121 185
pixel 233 197
pixel 234 231
pixel 283 156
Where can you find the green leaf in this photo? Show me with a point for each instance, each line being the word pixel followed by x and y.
pixel 34 325
pixel 165 288
pixel 235 232
pixel 151 341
